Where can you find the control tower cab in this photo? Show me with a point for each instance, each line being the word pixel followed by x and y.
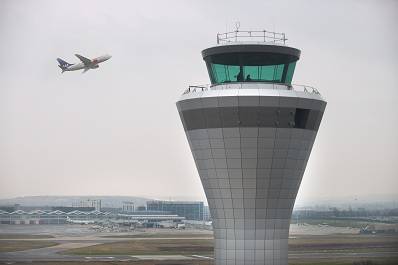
pixel 251 133
pixel 266 62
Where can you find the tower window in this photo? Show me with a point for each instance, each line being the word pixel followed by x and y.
pixel 250 67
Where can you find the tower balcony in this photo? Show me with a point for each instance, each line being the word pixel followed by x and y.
pixel 240 85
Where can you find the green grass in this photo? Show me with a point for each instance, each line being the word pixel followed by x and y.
pixel 375 261
pixel 140 262
pixel 24 236
pixel 18 245
pixel 343 243
pixel 303 244
pixel 337 222
pixel 162 235
pixel 149 247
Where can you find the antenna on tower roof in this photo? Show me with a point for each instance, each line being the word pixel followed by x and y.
pixel 237 26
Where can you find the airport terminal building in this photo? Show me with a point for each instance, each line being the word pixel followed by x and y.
pixel 151 214
pixel 39 217
pixel 57 217
pixel 191 210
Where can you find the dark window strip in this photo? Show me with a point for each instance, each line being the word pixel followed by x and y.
pixel 274 117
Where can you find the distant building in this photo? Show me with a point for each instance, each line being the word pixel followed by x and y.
pixel 7 208
pixel 206 213
pixel 191 210
pixel 71 209
pixel 89 203
pixel 128 206
pixel 141 208
pixel 38 217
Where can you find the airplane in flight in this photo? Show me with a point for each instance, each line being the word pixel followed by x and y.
pixel 85 64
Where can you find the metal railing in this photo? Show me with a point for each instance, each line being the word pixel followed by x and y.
pixel 303 88
pixel 193 89
pixel 295 87
pixel 251 35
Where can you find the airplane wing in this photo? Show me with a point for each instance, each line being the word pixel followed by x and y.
pixel 84 60
pixel 85 70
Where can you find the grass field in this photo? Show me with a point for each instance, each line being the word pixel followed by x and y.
pixel 10 245
pixel 336 222
pixel 169 262
pixel 346 261
pixel 357 243
pixel 23 236
pixel 163 235
pixel 330 243
pixel 149 247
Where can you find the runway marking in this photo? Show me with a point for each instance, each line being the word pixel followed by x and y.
pixel 202 257
pixel 162 257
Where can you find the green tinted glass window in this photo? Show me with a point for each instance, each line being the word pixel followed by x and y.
pixel 233 72
pixel 271 73
pixel 225 73
pixel 226 68
pixel 290 72
pixel 251 73
pixel 219 74
pixel 264 73
pixel 278 72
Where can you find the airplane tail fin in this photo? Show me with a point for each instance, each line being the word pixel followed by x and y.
pixel 63 64
pixel 62 68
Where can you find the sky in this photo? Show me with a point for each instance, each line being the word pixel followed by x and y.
pixel 115 130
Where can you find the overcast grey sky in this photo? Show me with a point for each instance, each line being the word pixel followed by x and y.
pixel 116 131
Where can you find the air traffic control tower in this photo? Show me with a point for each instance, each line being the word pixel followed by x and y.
pixel 251 133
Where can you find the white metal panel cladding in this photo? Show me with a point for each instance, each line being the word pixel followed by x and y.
pixel 250 174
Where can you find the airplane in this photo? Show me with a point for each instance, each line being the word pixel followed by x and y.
pixel 85 64
pixel 82 222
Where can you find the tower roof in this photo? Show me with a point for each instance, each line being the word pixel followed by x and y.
pixel 254 53
pixel 251 56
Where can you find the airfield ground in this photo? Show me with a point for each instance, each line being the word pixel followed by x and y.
pixel 76 244
pixel 13 245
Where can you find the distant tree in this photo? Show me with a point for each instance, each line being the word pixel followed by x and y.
pixel 336 212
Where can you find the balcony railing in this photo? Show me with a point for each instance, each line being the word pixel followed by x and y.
pixel 193 89
pixel 251 35
pixel 295 87
pixel 303 88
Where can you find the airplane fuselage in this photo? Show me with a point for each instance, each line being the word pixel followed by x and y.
pixel 86 65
